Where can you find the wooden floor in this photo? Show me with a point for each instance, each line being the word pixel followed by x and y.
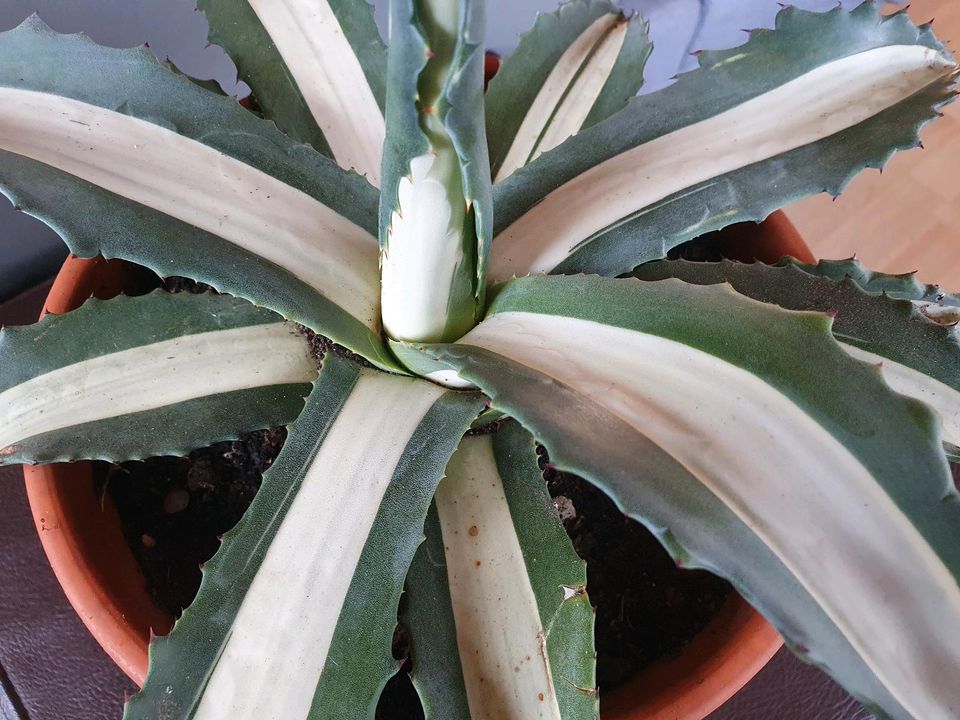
pixel 908 217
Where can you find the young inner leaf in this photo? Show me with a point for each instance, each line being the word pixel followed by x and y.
pixel 429 263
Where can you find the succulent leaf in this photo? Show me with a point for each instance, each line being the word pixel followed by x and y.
pixel 745 438
pixel 575 67
pixel 328 541
pixel 435 210
pixel 496 595
pixel 932 300
pixel 795 111
pixel 317 69
pixel 882 319
pixel 161 374
pixel 185 182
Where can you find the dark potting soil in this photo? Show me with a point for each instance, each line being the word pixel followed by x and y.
pixel 174 510
pixel 647 607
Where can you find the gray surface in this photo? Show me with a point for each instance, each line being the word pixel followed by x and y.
pixel 51 668
pixel 30 252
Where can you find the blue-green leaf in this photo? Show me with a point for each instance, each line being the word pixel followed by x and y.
pixel 317 69
pixel 752 445
pixel 296 611
pixel 795 111
pixel 575 67
pixel 496 607
pixel 125 158
pixel 160 374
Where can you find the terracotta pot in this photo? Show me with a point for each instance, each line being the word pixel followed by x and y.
pixel 81 535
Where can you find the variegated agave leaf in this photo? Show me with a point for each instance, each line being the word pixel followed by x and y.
pixel 795 111
pixel 161 374
pixel 296 611
pixel 893 322
pixel 185 182
pixel 317 69
pixel 575 67
pixel 496 606
pixel 749 442
pixel 740 432
pixel 436 217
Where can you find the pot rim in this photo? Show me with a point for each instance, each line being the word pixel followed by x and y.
pixel 101 580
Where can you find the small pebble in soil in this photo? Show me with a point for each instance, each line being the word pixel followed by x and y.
pixel 176 501
pixel 565 508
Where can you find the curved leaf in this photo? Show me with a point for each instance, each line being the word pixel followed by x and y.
pixel 820 493
pixel 917 355
pixel 931 300
pixel 296 611
pixel 316 69
pixel 575 67
pixel 795 111
pixel 435 210
pixel 185 182
pixel 496 607
pixel 160 374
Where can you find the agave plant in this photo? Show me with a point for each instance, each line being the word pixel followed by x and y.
pixel 765 422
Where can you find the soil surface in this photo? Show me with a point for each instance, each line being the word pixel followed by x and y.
pixel 647 607
pixel 174 510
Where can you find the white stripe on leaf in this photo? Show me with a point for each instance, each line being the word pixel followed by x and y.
pixel 821 103
pixel 183 178
pixel 424 248
pixel 569 93
pixel 783 474
pixel 325 67
pixel 500 636
pixel 280 638
pixel 153 376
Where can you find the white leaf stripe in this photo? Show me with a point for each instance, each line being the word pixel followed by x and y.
pixel 693 525
pixel 270 666
pixel 913 383
pixel 354 481
pixel 318 54
pixel 813 493
pixel 576 105
pixel 884 320
pixel 424 249
pixel 571 89
pixel 469 610
pixel 816 105
pixel 202 186
pixel 501 638
pixel 153 376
